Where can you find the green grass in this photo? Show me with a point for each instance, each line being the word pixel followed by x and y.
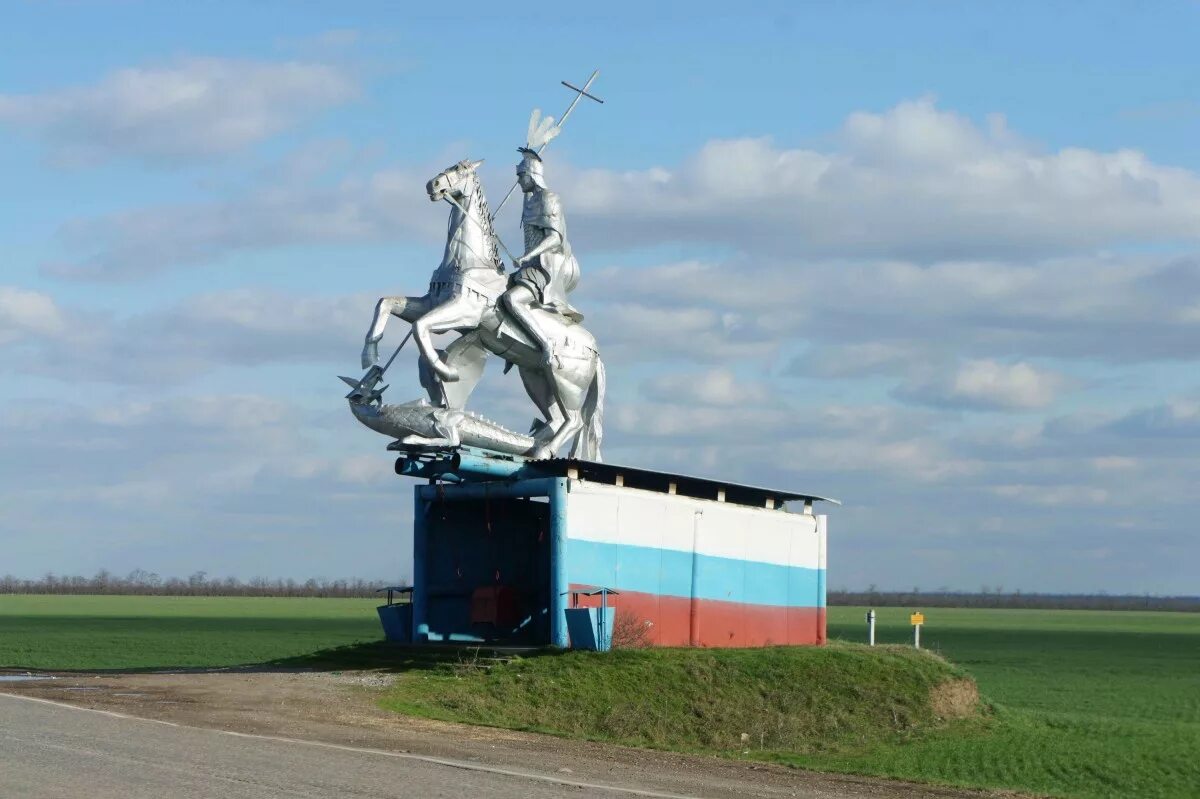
pixel 1088 703
pixel 809 700
pixel 1085 703
pixel 143 632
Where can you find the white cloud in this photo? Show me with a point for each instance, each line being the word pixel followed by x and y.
pixel 228 483
pixel 988 385
pixel 630 330
pixel 870 316
pixel 234 328
pixel 1060 495
pixel 24 312
pixel 912 182
pixel 1177 417
pixel 915 184
pixel 193 108
pixel 717 387
pixel 859 359
pixel 386 205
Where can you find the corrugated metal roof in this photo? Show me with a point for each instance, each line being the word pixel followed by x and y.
pixel 468 464
pixel 685 485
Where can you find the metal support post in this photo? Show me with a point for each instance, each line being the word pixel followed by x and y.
pixel 420 626
pixel 558 563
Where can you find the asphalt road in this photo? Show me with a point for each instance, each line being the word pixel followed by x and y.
pixel 48 751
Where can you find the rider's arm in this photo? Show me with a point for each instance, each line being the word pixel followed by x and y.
pixel 552 241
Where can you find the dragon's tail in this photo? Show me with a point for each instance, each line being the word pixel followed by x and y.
pixel 588 447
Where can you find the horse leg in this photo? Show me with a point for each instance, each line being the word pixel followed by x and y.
pixel 466 356
pixel 407 308
pixel 569 394
pixel 540 389
pixel 461 313
pixel 587 443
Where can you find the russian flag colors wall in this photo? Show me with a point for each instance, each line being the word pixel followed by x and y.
pixel 702 573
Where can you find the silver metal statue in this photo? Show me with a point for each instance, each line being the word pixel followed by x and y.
pixel 526 320
pixel 463 296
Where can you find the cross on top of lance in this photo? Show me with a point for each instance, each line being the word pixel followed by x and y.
pixel 561 121
pixel 583 91
pixel 578 93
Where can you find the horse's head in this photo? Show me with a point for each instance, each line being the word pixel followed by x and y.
pixel 453 180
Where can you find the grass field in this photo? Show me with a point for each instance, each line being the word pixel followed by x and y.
pixel 1086 703
pixel 146 632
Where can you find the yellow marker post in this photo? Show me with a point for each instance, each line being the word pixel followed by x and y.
pixel 917 619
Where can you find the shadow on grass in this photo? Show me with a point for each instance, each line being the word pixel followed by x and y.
pixel 86 645
pixel 381 656
pixel 396 658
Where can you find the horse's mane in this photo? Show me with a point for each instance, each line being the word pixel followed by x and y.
pixel 480 203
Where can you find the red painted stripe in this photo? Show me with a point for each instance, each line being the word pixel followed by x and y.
pixel 715 623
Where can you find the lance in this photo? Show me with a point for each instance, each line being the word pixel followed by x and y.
pixel 364 387
pixel 561 121
pixel 478 224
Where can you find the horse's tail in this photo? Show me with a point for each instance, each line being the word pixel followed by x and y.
pixel 588 448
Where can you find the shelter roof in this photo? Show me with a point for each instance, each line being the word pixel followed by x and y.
pixel 684 485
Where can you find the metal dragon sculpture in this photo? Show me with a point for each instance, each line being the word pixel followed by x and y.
pixel 523 317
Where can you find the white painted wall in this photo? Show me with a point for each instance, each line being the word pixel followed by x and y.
pixel 634 517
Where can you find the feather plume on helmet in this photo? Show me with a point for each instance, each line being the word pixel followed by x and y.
pixel 541 131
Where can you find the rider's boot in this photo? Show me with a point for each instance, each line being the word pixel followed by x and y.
pixel 370 354
pixel 444 370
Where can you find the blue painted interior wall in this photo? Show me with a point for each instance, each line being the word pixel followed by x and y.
pixel 473 543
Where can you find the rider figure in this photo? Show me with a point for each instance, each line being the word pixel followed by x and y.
pixel 548 269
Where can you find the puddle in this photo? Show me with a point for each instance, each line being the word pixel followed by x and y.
pixel 24 677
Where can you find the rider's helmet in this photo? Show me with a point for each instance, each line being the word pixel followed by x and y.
pixel 531 164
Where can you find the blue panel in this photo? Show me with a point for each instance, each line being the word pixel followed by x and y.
pixel 397 622
pixel 420 595
pixel 591 629
pixel 668 572
pixel 558 563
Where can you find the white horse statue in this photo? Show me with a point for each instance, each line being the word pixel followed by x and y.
pixel 462 297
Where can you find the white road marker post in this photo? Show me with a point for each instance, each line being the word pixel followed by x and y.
pixel 917 619
pixel 871 627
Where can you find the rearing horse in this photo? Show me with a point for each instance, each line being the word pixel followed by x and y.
pixel 462 297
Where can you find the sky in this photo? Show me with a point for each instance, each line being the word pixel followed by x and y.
pixel 938 260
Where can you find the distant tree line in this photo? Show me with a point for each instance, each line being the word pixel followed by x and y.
pixel 140 582
pixel 996 597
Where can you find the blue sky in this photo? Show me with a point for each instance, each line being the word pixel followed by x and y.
pixel 938 260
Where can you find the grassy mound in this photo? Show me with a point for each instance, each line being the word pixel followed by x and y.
pixel 801 700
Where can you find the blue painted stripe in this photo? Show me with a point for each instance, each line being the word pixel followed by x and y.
pixel 668 572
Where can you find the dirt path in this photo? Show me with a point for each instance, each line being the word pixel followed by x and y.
pixel 340 708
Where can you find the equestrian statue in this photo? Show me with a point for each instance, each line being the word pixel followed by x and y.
pixel 524 317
